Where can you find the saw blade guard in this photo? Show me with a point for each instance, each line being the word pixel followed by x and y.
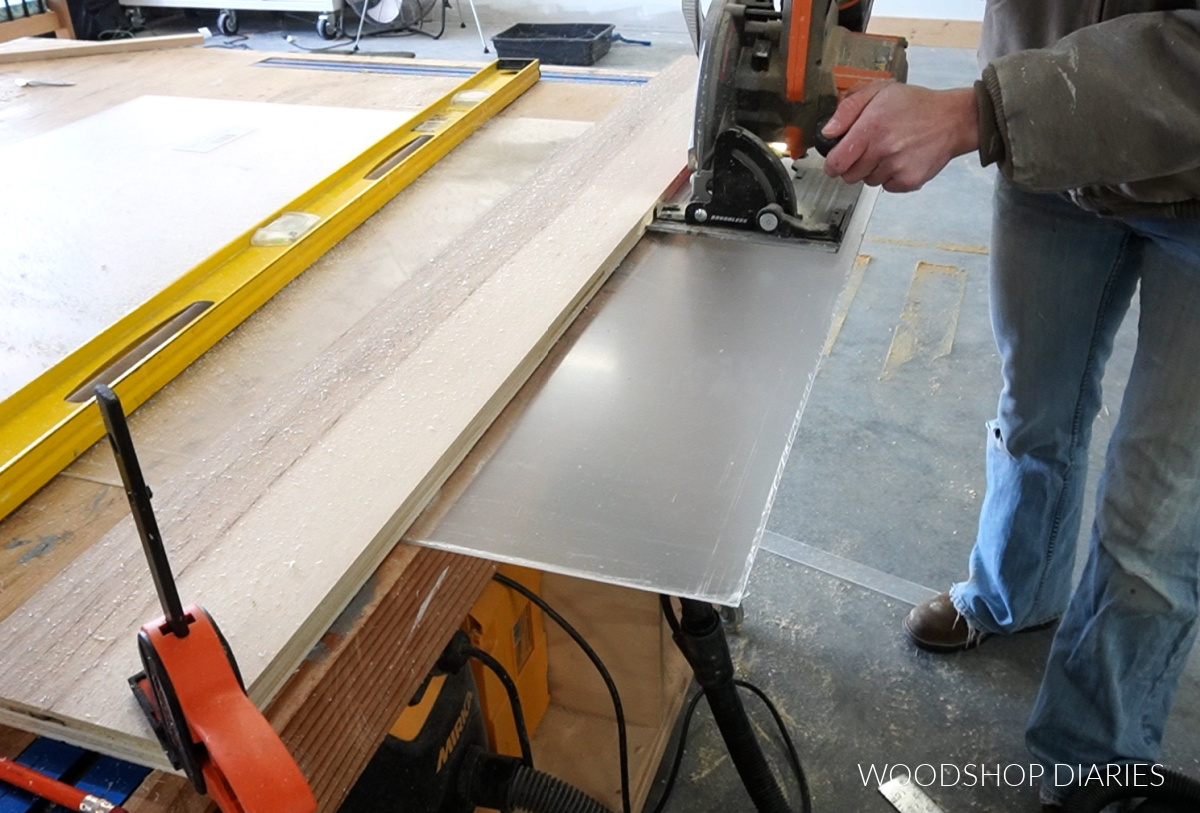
pixel 715 87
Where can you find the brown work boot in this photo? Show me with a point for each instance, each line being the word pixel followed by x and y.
pixel 937 626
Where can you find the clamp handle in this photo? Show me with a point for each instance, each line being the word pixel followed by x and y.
pixel 139 497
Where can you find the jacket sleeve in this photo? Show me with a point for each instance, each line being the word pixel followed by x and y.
pixel 1113 103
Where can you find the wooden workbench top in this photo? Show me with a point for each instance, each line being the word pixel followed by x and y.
pixel 354 682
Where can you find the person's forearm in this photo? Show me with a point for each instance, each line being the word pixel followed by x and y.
pixel 1112 103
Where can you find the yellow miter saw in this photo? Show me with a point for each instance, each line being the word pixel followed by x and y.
pixel 771 74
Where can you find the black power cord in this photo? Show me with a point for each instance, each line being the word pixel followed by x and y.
pixel 618 708
pixel 514 700
pixel 468 777
pixel 790 747
pixel 623 747
pixel 699 635
pixel 454 657
pixel 678 760
pixel 1175 794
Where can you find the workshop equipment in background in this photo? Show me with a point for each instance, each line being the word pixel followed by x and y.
pixel 344 65
pixel 191 690
pixel 49 421
pixel 435 758
pixel 511 629
pixel 770 77
pixel 580 44
pixel 396 17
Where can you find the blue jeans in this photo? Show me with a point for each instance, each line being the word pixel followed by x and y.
pixel 1061 283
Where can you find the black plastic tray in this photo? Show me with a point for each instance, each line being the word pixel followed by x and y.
pixel 555 43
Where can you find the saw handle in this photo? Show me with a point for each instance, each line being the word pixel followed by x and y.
pixel 823 143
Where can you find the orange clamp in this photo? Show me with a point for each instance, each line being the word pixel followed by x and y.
pixel 198 694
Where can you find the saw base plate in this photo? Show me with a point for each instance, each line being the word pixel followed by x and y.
pixel 823 204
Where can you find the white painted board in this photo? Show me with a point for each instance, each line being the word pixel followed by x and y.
pixel 99 215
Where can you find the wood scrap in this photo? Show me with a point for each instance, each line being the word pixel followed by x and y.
pixel 32 49
pixel 13 742
pixel 31 26
pixel 920 31
pixel 55 20
pixel 275 530
pixel 631 636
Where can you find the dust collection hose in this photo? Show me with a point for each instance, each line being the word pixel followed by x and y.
pixel 1177 792
pixel 504 783
pixel 537 792
pixel 699 634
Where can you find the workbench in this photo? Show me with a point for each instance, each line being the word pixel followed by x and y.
pixel 333 711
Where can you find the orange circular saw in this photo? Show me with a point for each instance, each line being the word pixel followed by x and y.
pixel 191 690
pixel 771 73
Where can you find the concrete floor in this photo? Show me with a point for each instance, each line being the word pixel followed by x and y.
pixel 886 475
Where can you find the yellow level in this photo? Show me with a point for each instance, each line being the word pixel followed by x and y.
pixel 53 419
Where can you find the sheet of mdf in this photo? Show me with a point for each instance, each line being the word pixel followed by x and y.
pixel 102 214
pixel 275 528
pixel 278 342
pixel 98 83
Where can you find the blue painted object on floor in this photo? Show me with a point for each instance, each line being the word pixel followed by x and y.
pixel 51 758
pixel 109 778
pixel 112 779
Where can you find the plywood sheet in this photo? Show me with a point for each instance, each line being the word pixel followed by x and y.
pixel 274 346
pixel 276 528
pixel 100 82
pixel 34 48
pixel 102 214
pixel 925 31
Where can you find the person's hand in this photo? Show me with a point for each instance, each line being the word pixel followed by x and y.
pixel 899 136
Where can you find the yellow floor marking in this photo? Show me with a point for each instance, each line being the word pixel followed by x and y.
pixel 930 316
pixel 845 299
pixel 957 247
pixel 963 249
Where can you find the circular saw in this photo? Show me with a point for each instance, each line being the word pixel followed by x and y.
pixel 771 74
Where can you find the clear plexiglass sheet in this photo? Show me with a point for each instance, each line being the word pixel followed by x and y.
pixel 650 455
